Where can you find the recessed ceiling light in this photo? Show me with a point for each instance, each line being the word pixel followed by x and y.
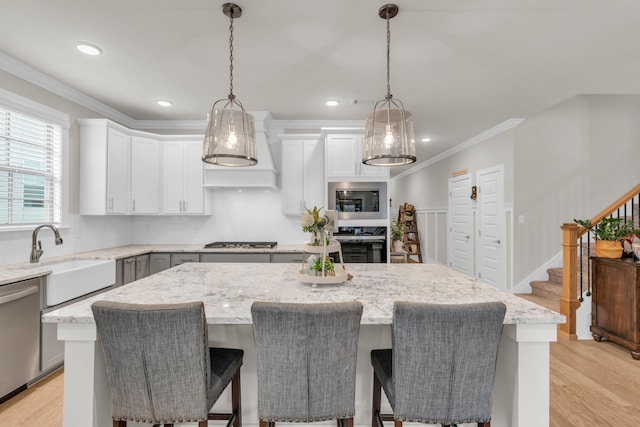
pixel 425 139
pixel 164 103
pixel 88 48
pixel 332 102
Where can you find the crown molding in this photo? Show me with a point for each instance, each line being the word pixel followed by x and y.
pixel 324 125
pixel 38 78
pixel 481 137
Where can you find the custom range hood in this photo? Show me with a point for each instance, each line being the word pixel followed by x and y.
pixel 261 175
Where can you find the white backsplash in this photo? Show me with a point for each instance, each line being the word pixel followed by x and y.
pixel 247 215
pixel 79 233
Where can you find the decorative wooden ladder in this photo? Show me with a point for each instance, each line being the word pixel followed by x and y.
pixel 411 242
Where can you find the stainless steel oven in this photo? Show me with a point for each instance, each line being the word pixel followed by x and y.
pixel 363 244
pixel 358 200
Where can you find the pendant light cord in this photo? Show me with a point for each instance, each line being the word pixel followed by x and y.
pixel 389 96
pixel 231 95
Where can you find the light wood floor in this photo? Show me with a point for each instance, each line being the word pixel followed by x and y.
pixel 592 384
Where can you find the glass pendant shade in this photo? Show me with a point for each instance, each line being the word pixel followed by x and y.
pixel 388 133
pixel 388 136
pixel 230 137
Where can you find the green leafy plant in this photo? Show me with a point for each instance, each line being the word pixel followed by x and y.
pixel 396 230
pixel 319 262
pixel 609 228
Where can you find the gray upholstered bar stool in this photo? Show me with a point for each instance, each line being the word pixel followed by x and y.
pixel 160 368
pixel 306 356
pixel 442 365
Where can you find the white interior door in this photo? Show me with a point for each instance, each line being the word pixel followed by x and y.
pixel 492 265
pixel 460 241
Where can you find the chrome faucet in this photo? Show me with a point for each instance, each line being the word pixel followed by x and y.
pixel 36 251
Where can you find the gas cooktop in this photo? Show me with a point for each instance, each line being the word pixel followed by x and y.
pixel 241 245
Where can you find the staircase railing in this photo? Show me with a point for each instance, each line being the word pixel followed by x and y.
pixel 574 270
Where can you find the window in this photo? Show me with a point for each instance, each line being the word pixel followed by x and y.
pixel 30 151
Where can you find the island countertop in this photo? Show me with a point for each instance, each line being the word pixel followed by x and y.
pixel 229 289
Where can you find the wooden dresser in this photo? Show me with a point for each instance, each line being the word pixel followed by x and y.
pixel 616 301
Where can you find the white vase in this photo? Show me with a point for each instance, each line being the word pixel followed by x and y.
pixel 397 245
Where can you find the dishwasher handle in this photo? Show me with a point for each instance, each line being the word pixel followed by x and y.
pixel 18 295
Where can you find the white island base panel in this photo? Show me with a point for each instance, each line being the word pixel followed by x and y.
pixel 521 390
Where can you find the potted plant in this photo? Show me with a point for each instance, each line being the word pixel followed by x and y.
pixel 608 233
pixel 316 266
pixel 396 235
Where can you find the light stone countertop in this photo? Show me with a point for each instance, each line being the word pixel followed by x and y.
pixel 229 289
pixel 11 273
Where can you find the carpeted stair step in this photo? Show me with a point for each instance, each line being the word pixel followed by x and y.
pixel 546 289
pixel 555 275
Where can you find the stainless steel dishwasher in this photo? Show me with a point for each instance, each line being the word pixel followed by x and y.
pixel 19 334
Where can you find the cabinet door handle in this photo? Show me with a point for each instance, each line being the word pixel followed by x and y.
pixel 134 205
pixel 302 205
pixel 184 206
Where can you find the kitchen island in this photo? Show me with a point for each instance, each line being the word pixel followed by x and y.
pixel 521 391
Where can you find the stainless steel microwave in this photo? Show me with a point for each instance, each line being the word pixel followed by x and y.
pixel 358 200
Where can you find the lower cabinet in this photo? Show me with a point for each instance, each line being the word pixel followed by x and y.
pixel 235 257
pixel 128 270
pixel 181 258
pixel 159 262
pixel 282 257
pixel 131 269
pixel 142 266
pixel 615 302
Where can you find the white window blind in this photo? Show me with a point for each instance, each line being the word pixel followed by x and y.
pixel 30 151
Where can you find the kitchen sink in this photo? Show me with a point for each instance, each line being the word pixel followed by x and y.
pixel 74 278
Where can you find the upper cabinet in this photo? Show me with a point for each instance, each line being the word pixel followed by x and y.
pixel 344 159
pixel 302 173
pixel 183 192
pixel 123 171
pixel 104 168
pixel 145 176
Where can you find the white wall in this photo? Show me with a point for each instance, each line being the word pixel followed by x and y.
pixel 571 161
pixel 249 215
pixel 427 187
pixel 79 233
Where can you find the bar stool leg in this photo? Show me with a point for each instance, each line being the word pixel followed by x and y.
pixel 377 391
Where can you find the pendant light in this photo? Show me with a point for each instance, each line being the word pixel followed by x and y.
pixel 230 138
pixel 388 135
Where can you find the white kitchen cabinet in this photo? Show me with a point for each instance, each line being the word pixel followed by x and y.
pixel 302 173
pixel 145 176
pixel 344 159
pixel 104 168
pixel 183 191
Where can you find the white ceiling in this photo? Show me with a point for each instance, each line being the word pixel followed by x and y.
pixel 461 66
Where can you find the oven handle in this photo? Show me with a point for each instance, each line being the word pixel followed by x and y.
pixel 5 299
